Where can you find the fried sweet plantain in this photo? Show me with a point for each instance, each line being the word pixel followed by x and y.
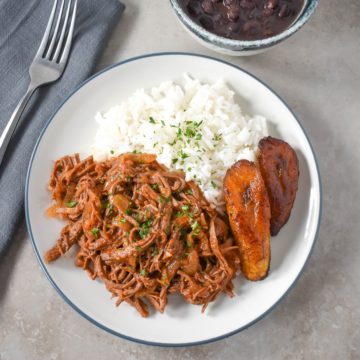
pixel 248 208
pixel 279 168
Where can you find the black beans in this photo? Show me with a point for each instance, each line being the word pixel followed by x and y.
pixel 243 19
pixel 233 14
pixel 206 22
pixel 251 25
pixel 208 6
pixel 193 8
pixel 271 4
pixel 247 4
pixel 234 27
pixel 229 2
pixel 286 11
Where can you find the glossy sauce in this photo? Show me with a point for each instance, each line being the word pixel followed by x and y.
pixel 244 19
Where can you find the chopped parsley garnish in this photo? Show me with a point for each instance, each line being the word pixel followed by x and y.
pixel 155 186
pixel 183 155
pixel 185 207
pixel 189 168
pixel 112 152
pixel 174 161
pixel 136 152
pixel 95 232
pixel 155 144
pixel 178 133
pixel 214 185
pixel 138 248
pixel 190 192
pixel 123 220
pixel 217 137
pixel 145 228
pixel 196 228
pixel 71 204
pixel 172 143
pixel 162 122
pixel 143 272
pixel 199 123
pixel 155 251
pixel 184 255
pixel 127 211
pixel 164 200
pixel 152 120
pixel 190 131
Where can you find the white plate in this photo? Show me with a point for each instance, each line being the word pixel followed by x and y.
pixel 72 129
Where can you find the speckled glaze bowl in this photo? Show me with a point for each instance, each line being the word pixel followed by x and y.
pixel 239 47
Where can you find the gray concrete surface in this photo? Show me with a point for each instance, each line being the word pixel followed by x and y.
pixel 318 73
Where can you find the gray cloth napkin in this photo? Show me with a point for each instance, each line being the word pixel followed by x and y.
pixel 22 24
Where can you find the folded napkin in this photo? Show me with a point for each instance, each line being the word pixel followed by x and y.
pixel 22 24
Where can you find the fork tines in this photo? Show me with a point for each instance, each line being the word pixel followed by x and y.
pixel 56 41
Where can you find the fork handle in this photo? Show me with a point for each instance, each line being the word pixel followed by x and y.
pixel 15 117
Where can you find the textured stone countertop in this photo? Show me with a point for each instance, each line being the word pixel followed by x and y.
pixel 317 72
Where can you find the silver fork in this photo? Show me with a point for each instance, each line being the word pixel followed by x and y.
pixel 49 62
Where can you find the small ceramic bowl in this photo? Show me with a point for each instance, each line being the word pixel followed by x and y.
pixel 239 47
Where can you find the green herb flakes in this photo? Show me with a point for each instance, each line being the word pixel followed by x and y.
pixel 214 185
pixel 155 251
pixel 71 204
pixel 183 155
pixel 164 200
pixel 145 228
pixel 217 137
pixel 95 232
pixel 155 186
pixel 196 228
pixel 185 207
pixel 143 272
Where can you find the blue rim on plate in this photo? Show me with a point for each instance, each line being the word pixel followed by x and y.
pixel 41 262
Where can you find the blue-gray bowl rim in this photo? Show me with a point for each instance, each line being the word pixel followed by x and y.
pixel 240 45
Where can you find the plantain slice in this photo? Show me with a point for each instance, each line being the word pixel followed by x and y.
pixel 248 208
pixel 279 168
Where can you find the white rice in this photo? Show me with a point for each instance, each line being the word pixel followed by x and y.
pixel 190 126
